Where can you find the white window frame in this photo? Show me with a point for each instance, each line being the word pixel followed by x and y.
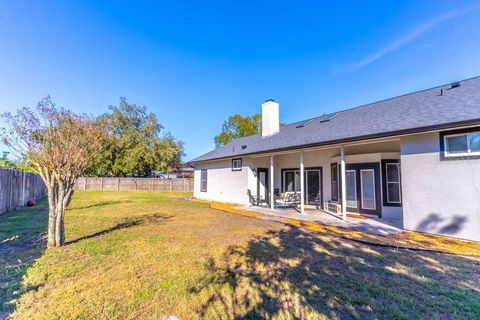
pixel 460 154
pixel 202 189
pixel 355 180
pixel 374 192
pixel 238 168
pixel 393 182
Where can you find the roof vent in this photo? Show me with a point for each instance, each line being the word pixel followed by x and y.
pixel 244 147
pixel 455 85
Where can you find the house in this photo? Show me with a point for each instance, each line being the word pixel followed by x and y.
pixel 415 158
pixel 163 175
pixel 186 171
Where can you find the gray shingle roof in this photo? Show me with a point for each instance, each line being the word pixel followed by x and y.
pixel 414 112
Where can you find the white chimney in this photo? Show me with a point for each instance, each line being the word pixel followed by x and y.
pixel 270 118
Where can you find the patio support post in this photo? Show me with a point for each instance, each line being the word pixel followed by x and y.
pixel 272 190
pixel 302 187
pixel 344 184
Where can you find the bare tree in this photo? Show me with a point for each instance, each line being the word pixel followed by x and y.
pixel 61 144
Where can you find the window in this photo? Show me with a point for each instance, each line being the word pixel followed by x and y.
pixel 462 144
pixel 392 194
pixel 334 168
pixel 291 180
pixel 203 180
pixel 237 164
pixel 351 188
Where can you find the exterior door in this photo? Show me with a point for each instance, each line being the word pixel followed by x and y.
pixel 313 187
pixel 262 186
pixel 363 188
pixel 312 184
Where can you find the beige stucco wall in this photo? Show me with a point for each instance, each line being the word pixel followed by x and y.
pixel 441 197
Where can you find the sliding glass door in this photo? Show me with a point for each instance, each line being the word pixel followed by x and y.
pixel 312 184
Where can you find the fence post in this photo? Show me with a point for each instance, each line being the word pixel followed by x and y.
pixel 101 183
pixel 118 184
pixel 23 188
pixel 11 191
pixel 170 185
pixel 85 183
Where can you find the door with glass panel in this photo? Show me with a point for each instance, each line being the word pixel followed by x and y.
pixel 363 188
pixel 262 186
pixel 313 187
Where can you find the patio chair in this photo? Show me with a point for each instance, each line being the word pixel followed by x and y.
pixel 251 198
pixel 255 200
pixel 289 199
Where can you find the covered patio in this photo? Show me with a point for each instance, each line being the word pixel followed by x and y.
pixel 371 225
pixel 311 182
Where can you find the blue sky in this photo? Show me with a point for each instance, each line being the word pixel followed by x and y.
pixel 195 63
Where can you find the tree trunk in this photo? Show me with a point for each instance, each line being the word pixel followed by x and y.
pixel 59 226
pixel 58 199
pixel 52 216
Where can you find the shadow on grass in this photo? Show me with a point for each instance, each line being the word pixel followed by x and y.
pixel 297 274
pixel 101 204
pixel 22 241
pixel 155 218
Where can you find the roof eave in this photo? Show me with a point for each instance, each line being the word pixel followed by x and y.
pixel 354 139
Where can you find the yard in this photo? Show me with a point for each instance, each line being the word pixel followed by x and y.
pixel 139 255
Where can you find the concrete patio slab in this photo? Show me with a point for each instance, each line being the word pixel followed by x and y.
pixel 370 225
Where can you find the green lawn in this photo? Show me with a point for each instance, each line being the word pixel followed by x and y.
pixel 151 255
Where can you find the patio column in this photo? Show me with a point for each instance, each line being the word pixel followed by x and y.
pixel 302 188
pixel 344 184
pixel 272 189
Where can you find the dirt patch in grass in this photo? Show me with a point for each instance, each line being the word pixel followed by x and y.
pixel 139 255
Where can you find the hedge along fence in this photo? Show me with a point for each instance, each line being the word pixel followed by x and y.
pixel 17 187
pixel 135 184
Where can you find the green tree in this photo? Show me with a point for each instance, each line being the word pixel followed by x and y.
pixel 135 145
pixel 238 126
pixel 5 162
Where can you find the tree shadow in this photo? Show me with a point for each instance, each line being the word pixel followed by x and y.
pixel 100 204
pixel 22 241
pixel 155 218
pixel 434 223
pixel 298 274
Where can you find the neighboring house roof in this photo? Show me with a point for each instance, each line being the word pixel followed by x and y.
pixel 415 112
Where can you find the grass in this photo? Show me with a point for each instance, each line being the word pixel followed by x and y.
pixel 405 240
pixel 21 242
pixel 150 255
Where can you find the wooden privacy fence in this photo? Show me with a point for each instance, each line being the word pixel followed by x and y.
pixel 136 184
pixel 17 187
